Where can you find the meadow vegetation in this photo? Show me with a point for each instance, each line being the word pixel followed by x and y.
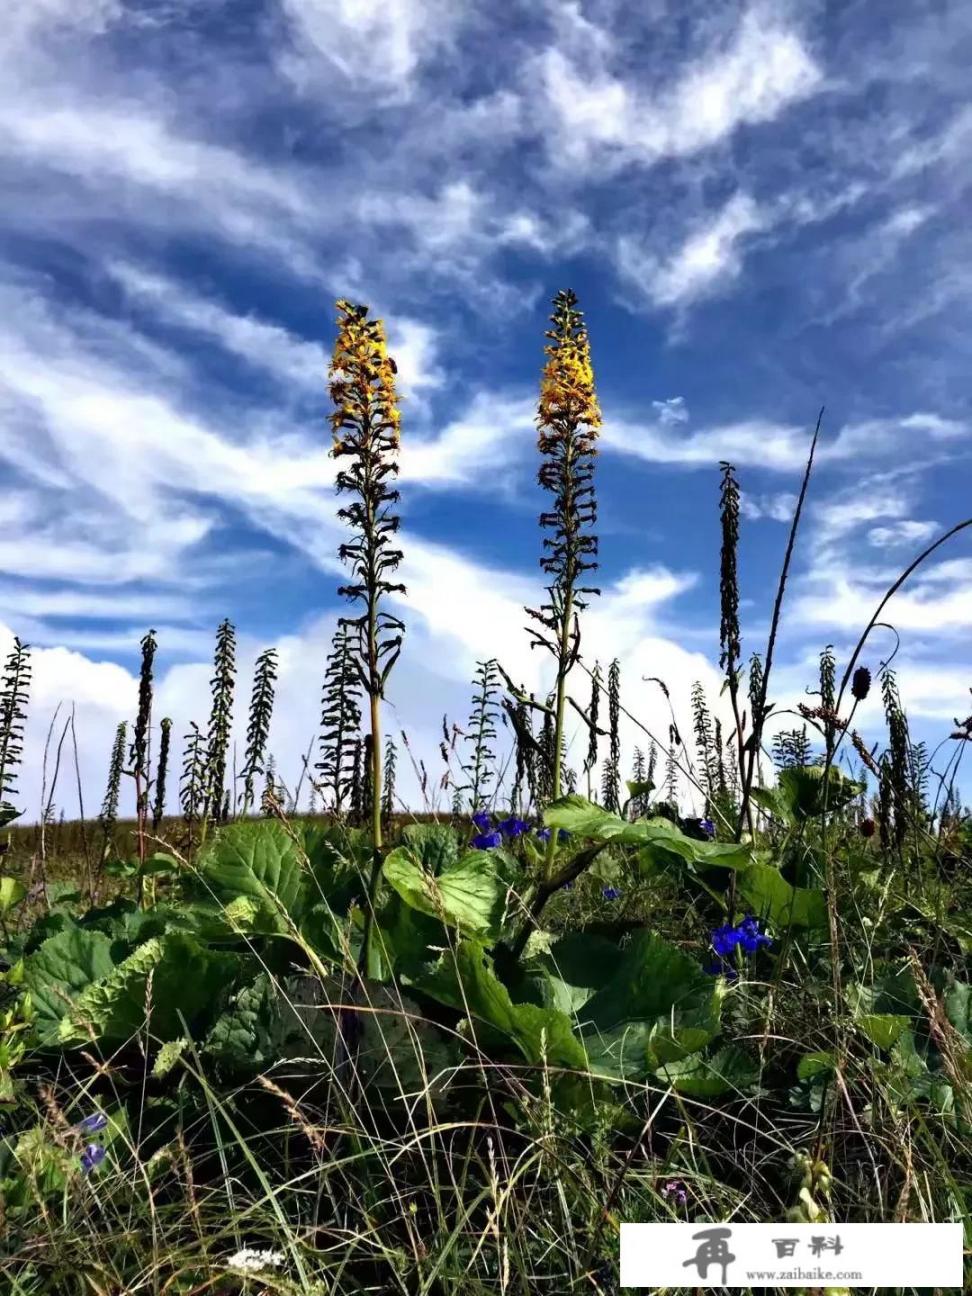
pixel 305 1039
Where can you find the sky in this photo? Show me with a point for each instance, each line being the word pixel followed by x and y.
pixel 762 208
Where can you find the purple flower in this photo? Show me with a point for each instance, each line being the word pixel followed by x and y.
pixel 93 1123
pixel 568 886
pixel 725 939
pixel 482 820
pixel 676 1189
pixel 487 840
pixel 543 834
pixel 708 827
pixel 563 835
pixel 749 935
pixel 610 893
pixel 717 967
pixel 513 827
pixel 92 1156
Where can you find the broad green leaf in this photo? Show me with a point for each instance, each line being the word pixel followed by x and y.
pixel 465 980
pixel 576 967
pixel 259 860
pixel 885 1010
pixel 61 969
pixel 297 1019
pixel 812 1065
pixel 584 819
pixel 248 1034
pixel 434 845
pixel 187 982
pixel 339 862
pixel 158 864
pixel 407 940
pixel 883 1029
pixel 728 1070
pixel 470 895
pixel 12 891
pixel 771 897
pixel 771 800
pixel 657 1006
pixel 958 1008
pixel 802 790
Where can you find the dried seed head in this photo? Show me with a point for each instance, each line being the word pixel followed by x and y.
pixel 861 683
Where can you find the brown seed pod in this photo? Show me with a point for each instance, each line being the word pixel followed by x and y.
pixel 861 683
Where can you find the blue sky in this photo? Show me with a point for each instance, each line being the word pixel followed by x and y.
pixel 763 208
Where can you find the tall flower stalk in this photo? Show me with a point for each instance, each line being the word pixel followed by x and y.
pixel 192 787
pixel 223 684
pixel 730 643
pixel 258 730
pixel 161 774
pixel 109 807
pixel 704 744
pixel 366 433
pixel 480 769
pixel 388 790
pixel 590 761
pixel 139 756
pixel 568 417
pixel 611 780
pixel 13 702
pixel 340 720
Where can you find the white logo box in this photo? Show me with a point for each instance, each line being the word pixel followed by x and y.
pixel 792 1255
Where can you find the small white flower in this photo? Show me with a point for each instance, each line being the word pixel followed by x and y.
pixel 250 1260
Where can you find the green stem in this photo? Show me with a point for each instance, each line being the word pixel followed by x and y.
pixel 559 723
pixel 370 962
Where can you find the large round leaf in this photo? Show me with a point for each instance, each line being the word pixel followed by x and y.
pixel 469 895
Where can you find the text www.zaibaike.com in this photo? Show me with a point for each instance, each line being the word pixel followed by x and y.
pixel 828 1274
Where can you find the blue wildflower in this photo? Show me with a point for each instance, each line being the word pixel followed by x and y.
pixel 487 840
pixel 93 1123
pixel 92 1156
pixel 543 834
pixel 610 893
pixel 725 939
pixel 568 886
pixel 512 827
pixel 749 935
pixel 482 820
pixel 708 827
pixel 563 835
pixel 718 967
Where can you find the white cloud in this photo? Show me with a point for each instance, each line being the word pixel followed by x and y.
pixel 671 411
pixel 908 531
pixel 778 507
pixel 376 46
pixel 709 256
pixel 600 120
pixel 290 359
pixel 27 23
pixel 493 430
pixel 777 447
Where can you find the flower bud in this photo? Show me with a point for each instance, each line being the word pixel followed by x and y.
pixel 861 683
